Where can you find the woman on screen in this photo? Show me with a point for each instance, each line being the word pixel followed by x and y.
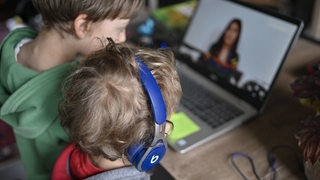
pixel 223 55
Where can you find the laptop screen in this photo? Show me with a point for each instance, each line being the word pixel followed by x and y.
pixel 239 46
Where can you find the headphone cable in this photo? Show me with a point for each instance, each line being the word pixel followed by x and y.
pixel 271 160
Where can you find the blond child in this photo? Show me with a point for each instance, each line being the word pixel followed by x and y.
pixel 116 113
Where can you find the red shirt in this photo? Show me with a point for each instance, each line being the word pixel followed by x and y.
pixel 79 165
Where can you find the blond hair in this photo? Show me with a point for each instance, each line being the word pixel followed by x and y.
pixel 105 107
pixel 59 13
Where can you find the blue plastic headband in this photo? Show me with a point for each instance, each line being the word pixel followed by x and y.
pixel 154 93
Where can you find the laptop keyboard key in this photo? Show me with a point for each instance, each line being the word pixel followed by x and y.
pixel 210 108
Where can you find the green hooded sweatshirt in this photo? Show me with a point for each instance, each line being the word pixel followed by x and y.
pixel 29 103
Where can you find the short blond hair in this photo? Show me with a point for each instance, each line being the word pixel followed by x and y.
pixel 105 107
pixel 59 13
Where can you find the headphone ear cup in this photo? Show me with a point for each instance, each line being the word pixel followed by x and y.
pixel 145 162
pixel 134 151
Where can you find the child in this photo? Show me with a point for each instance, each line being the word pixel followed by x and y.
pixel 34 65
pixel 108 109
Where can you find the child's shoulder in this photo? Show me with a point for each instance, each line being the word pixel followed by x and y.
pixel 18 34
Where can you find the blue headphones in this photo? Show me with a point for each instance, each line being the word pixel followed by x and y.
pixel 145 158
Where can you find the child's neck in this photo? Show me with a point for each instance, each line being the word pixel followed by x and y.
pixel 106 164
pixel 47 50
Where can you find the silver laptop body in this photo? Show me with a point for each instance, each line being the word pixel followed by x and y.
pixel 265 40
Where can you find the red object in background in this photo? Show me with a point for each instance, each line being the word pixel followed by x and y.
pixel 3 30
pixel 313 68
pixel 6 135
pixel 8 148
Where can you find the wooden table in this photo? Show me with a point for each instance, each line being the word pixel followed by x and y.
pixel 275 126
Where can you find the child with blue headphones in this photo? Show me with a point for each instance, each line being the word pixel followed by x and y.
pixel 116 107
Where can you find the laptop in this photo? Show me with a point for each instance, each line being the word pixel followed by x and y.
pixel 226 80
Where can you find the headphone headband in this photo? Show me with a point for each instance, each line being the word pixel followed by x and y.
pixel 154 93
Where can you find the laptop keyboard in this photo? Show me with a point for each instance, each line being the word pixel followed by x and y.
pixel 210 108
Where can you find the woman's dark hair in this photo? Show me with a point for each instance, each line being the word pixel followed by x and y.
pixel 218 45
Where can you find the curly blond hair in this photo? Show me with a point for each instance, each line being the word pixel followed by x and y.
pixel 105 107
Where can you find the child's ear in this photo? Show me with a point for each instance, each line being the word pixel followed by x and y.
pixel 81 26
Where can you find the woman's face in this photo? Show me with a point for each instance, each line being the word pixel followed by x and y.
pixel 232 33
